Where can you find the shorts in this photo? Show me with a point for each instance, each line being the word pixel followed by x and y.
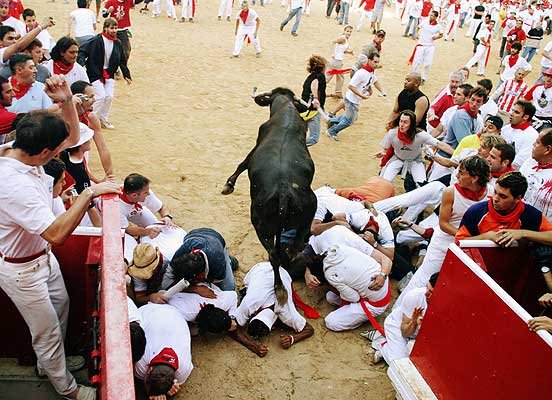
pixel 377 16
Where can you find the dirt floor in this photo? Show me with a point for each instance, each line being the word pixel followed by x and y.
pixel 188 120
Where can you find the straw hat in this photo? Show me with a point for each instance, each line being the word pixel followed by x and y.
pixel 145 261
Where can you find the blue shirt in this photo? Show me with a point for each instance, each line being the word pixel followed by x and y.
pixel 35 99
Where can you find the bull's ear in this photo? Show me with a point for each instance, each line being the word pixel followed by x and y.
pixel 263 100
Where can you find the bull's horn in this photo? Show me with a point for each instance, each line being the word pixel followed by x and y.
pixel 254 94
pixel 302 101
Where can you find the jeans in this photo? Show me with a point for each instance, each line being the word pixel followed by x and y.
pixel 502 47
pixel 329 8
pixel 529 53
pixel 297 12
pixel 412 22
pixel 343 14
pixel 463 16
pixel 80 40
pixel 228 283
pixel 346 120
pixel 313 127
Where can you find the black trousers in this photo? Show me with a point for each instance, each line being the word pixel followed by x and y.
pixel 330 7
pixel 124 38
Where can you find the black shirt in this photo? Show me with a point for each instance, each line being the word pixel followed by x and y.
pixel 305 95
pixel 407 101
pixel 77 172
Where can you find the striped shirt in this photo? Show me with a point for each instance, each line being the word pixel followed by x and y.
pixel 509 92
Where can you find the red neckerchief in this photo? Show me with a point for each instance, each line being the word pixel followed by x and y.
pixel 368 68
pixel 371 222
pixel 508 219
pixel 523 126
pixel 124 197
pixel 538 167
pixel 244 14
pixel 19 89
pixel 499 174
pixel 60 67
pixel 466 106
pixel 27 29
pixel 432 22
pixel 84 118
pixel 512 60
pixel 470 194
pixel 105 35
pixel 378 46
pixel 403 138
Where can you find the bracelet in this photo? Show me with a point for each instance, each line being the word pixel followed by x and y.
pixel 90 191
pixel 292 340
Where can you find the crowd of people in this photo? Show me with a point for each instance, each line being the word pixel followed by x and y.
pixel 475 164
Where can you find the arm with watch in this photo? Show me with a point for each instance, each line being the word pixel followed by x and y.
pixel 166 217
pixel 386 263
pixel 547 275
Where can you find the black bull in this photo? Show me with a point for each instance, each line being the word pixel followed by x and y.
pixel 280 173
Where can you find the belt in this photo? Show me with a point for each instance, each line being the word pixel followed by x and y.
pixel 22 260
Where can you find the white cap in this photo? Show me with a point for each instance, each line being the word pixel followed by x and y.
pixel 359 219
pixel 85 134
pixel 266 316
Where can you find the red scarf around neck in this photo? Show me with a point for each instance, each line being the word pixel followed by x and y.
pixel 105 35
pixel 403 138
pixel 368 68
pixel 470 194
pixel 512 60
pixel 125 199
pixel 60 67
pixel 500 173
pixel 466 106
pixel 432 22
pixel 523 126
pixel 538 167
pixel 243 15
pixel 511 219
pixel 19 89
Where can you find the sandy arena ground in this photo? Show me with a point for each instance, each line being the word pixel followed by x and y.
pixel 188 120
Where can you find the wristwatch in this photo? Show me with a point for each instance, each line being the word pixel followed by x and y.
pixel 545 270
pixel 383 274
pixel 168 216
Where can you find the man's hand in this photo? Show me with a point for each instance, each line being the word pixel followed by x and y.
pixel 380 154
pixel 377 282
pixel 286 341
pixel 66 195
pixel 538 323
pixel 402 222
pixel 261 350
pixel 546 300
pixel 339 217
pixel 57 88
pixel 174 389
pixel 389 125
pixel 168 222
pixel 509 237
pixel 417 315
pixel 368 237
pixel 106 188
pixel 158 298
pixel 316 104
pixel 203 291
pixel 311 280
pixel 153 231
pixel 128 81
pixel 48 22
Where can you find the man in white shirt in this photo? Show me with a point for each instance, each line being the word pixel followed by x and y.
pixel 512 62
pixel 8 20
pixel 453 17
pixel 520 133
pixel 29 94
pixel 546 61
pixel 296 10
pixel 483 49
pixel 247 24
pixel 167 361
pixel 30 274
pixel 82 22
pixel 422 56
pixel 360 87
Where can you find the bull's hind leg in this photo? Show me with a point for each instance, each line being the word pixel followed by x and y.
pixel 231 181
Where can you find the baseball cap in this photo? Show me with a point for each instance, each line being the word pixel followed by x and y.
pixel 167 356
pixel 380 32
pixel 496 121
pixel 548 71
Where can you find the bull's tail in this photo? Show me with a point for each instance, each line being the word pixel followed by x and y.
pixel 281 256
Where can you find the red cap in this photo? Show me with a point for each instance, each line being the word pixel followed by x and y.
pixel 548 71
pixel 167 356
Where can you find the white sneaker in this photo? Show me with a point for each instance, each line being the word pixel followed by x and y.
pixel 107 125
pixel 85 393
pixel 377 357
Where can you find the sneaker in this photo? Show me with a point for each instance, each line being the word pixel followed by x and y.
pixel 234 56
pixel 219 18
pixel 234 263
pixel 377 357
pixel 281 28
pixel 405 281
pixel 228 19
pixel 332 136
pixel 294 34
pixel 107 125
pixel 258 55
pixel 74 363
pixel 182 19
pixel 86 393
pixel 191 20
pixel 371 335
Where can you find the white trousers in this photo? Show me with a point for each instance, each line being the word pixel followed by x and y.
pixel 243 32
pixel 38 291
pixel 396 345
pixel 364 15
pixel 423 59
pixel 409 236
pixel 350 316
pixel 104 98
pixel 452 24
pixel 479 57
pixel 416 200
pixel 394 166
pixel 171 11
pixel 225 8
pixel 188 9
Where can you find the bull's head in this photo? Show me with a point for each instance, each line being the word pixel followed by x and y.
pixel 265 99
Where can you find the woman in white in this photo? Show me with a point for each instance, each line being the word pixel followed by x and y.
pixel 64 61
pixel 405 142
pixel 82 23
pixel 336 62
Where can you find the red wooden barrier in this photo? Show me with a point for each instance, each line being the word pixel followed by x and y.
pixel 117 381
pixel 474 342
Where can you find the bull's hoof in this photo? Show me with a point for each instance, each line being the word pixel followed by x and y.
pixel 227 189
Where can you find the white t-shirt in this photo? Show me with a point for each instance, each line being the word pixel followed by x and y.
pixel 328 201
pixel 108 49
pixel 339 235
pixel 296 4
pixel 408 152
pixel 489 108
pixel 141 214
pixel 260 294
pixel 545 62
pixel 539 190
pixel 16 24
pixel 483 35
pixel 362 80
pixel 509 72
pixel 351 272
pixel 133 313
pixel 77 73
pixel 414 298
pixel 83 22
pixel 522 140
pixel 165 327
pixel 427 31
pixel 189 304
pixel 26 212
pixel 416 9
pixel 251 19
